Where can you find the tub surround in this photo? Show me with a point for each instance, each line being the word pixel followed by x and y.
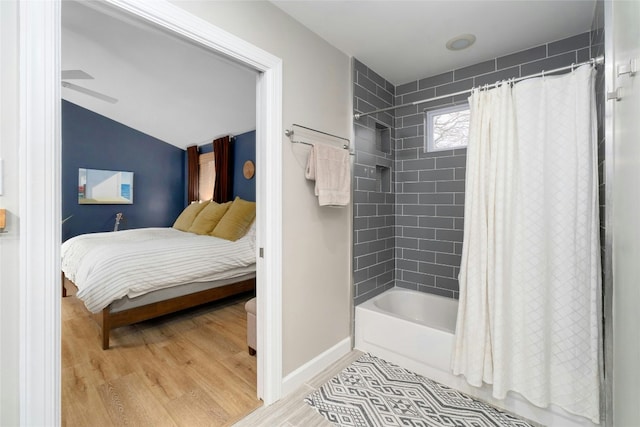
pixel 427 188
pixel 430 186
pixel 373 195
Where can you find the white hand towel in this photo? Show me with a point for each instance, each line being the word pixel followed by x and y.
pixel 331 169
pixel 310 171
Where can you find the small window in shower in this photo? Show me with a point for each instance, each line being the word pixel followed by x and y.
pixel 447 128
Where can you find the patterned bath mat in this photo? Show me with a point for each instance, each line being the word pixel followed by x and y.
pixel 372 392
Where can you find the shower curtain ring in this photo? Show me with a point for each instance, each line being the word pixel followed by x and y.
pixel 573 64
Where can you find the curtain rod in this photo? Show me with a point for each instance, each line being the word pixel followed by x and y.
pixel 592 61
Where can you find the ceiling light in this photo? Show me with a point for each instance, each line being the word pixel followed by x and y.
pixel 461 42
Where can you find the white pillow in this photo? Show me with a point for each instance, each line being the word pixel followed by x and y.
pixel 251 234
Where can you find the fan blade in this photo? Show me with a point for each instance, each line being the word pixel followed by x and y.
pixel 90 92
pixel 74 74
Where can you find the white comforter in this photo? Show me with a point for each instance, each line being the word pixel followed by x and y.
pixel 108 266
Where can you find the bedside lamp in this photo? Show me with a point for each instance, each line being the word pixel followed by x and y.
pixel 3 217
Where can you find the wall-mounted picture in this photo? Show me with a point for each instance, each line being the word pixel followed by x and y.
pixel 104 187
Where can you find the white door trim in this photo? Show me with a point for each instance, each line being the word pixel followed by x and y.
pixel 39 212
pixel 40 202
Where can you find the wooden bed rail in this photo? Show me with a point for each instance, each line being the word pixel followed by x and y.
pixel 150 311
pixel 108 320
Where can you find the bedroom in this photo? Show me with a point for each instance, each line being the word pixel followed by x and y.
pixel 324 103
pixel 189 98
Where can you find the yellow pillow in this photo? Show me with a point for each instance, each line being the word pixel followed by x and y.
pixel 237 221
pixel 187 216
pixel 208 218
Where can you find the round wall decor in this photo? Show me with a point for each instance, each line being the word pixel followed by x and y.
pixel 248 169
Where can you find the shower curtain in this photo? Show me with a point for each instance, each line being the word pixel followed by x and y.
pixel 530 277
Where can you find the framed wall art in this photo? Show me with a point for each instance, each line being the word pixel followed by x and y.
pixel 96 186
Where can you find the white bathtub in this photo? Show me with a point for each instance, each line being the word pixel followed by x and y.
pixel 408 328
pixel 415 330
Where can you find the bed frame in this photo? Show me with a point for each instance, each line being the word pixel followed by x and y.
pixel 108 320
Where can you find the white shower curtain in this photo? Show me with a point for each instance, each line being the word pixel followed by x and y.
pixel 530 273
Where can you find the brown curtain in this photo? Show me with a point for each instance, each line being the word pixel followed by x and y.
pixel 192 172
pixel 223 154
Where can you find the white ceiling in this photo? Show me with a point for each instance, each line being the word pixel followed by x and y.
pixel 405 40
pixel 183 94
pixel 166 87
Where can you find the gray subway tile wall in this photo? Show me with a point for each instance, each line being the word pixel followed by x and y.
pixel 374 203
pixel 569 44
pixel 518 58
pixel 427 201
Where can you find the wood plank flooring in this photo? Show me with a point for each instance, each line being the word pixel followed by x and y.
pixel 292 410
pixel 187 369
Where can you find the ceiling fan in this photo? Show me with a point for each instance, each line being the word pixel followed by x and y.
pixel 79 74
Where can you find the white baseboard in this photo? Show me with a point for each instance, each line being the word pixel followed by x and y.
pixel 316 365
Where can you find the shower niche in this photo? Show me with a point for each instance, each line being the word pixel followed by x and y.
pixel 383 171
pixel 383 138
pixel 383 179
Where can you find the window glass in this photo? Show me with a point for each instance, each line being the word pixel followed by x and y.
pixel 206 176
pixel 447 128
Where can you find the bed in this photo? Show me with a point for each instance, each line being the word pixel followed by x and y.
pixel 129 276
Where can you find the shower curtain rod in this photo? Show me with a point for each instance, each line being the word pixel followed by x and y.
pixel 592 61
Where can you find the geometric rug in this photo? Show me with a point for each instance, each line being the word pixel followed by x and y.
pixel 373 392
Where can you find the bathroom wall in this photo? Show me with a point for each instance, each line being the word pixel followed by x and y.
pixel 429 187
pixel 316 243
pixel 373 193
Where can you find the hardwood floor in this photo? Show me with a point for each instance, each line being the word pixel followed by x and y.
pixel 187 369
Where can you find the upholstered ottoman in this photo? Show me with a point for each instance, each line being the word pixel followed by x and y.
pixel 250 308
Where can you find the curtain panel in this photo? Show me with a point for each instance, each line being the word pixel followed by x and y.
pixel 192 173
pixel 223 158
pixel 529 315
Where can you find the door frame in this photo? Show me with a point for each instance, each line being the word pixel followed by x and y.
pixel 40 194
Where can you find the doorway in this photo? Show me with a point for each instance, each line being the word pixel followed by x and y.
pixel 40 154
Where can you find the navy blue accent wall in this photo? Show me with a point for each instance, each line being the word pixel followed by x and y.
pixel 244 148
pixel 92 141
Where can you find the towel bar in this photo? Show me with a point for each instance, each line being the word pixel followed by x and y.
pixel 290 133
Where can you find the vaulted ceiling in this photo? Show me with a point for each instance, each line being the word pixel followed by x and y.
pixel 166 87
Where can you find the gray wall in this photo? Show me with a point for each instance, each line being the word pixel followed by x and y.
pixel 373 209
pixel 429 187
